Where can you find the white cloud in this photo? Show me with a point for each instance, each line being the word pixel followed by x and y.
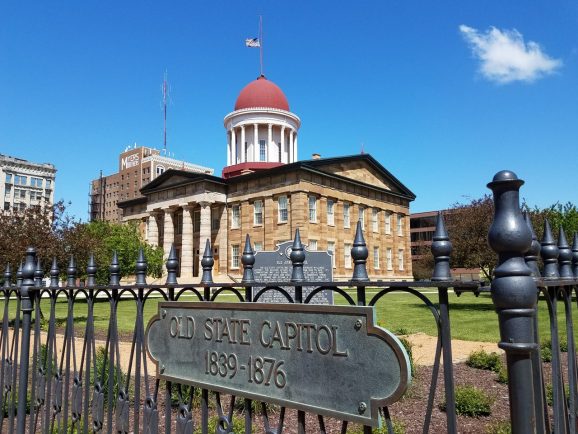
pixel 505 57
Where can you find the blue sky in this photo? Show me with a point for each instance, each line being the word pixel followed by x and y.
pixel 443 94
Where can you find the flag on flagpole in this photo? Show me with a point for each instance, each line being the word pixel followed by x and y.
pixel 253 43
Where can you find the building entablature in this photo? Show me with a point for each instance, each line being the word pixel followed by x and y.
pixel 262 115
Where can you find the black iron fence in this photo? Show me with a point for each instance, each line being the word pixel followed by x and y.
pixel 69 373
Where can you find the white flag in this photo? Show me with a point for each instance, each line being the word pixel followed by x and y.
pixel 252 42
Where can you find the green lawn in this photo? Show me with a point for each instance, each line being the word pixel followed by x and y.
pixel 472 318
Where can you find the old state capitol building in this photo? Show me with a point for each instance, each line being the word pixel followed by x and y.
pixel 267 192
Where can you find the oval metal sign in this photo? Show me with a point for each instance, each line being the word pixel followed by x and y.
pixel 329 360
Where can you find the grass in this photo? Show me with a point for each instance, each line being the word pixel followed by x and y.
pixel 472 318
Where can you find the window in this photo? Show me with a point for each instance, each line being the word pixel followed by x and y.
pixel 8 190
pixel 258 247
pixel 362 217
pixel 346 219
pixel 330 213
pixel 235 216
pixel 347 255
pixel 20 180
pixel 262 151
pixel 19 193
pixel 258 212
pixel 375 219
pixel 9 177
pixel 312 209
pixel 331 250
pixel 400 225
pixel 312 245
pixel 6 206
pixel 387 223
pixel 400 259
pixel 36 182
pixel 160 170
pixel 282 209
pixel 388 259
pixel 376 258
pixel 235 256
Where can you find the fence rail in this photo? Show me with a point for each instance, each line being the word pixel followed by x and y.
pixel 78 376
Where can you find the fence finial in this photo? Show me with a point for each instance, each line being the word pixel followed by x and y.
pixel 564 256
pixel 91 271
pixel 54 274
pixel 359 255
pixel 531 256
pixel 441 248
pixel 8 276
pixel 207 263
pixel 172 266
pixel 514 296
pixel 114 270
pixel 141 268
pixel 19 275
pixel 297 257
pixel 549 253
pixel 71 272
pixel 38 274
pixel 248 260
pixel 575 256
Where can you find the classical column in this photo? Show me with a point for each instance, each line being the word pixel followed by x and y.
pixel 229 148
pixel 256 142
pixel 187 243
pixel 169 233
pixel 204 228
pixel 270 143
pixel 295 147
pixel 243 144
pixel 152 230
pixel 233 146
pixel 282 144
pixel 291 152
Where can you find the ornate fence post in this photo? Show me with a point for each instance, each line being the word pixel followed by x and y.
pixel 207 263
pixel 27 296
pixel 359 253
pixel 514 294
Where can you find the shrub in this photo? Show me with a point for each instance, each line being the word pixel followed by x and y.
pixel 546 349
pixel 483 360
pixel 502 375
pixel 550 393
pixel 502 427
pixel 14 395
pixel 408 347
pixel 214 422
pixel 471 401
pixel 398 428
pixel 102 365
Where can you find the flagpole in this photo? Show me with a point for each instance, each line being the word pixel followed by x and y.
pixel 261 42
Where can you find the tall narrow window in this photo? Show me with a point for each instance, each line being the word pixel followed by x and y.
pixel 258 212
pixel 400 225
pixel 331 250
pixel 387 223
pixel 258 247
pixel 282 208
pixel 347 255
pixel 8 177
pixel 235 256
pixel 400 259
pixel 375 219
pixel 235 216
pixel 389 259
pixel 330 212
pixel 312 209
pixel 312 245
pixel 262 150
pixel 376 258
pixel 362 216
pixel 346 217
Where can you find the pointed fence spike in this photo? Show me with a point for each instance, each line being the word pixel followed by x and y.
pixel 91 271
pixel 359 253
pixel 172 267
pixel 297 257
pixel 38 274
pixel 54 274
pixel 532 255
pixel 114 270
pixel 248 260
pixel 441 248
pixel 549 253
pixel 564 256
pixel 8 276
pixel 71 272
pixel 207 263
pixel 575 256
pixel 19 275
pixel 141 268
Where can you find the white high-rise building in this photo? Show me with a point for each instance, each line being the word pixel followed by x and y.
pixel 24 183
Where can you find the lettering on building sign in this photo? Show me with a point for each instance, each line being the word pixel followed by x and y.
pixel 330 360
pixel 129 161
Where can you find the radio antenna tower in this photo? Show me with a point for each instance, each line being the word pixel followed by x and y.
pixel 165 89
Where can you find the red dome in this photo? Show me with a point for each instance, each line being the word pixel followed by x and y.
pixel 262 93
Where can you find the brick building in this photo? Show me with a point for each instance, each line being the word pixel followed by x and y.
pixel 266 192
